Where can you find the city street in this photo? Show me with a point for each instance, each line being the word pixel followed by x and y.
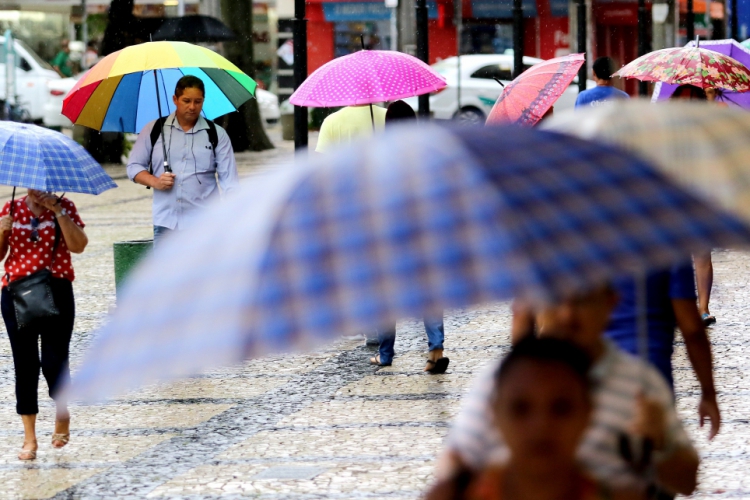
pixel 324 424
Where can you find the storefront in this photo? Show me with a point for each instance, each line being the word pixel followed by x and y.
pixel 335 28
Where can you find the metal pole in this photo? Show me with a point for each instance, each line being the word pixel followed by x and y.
pixel 690 21
pixel 517 37
pixel 394 28
pixel 423 52
pixel 180 8
pixel 84 25
pixel 581 42
pixel 734 23
pixel 300 71
pixel 642 40
pixel 459 15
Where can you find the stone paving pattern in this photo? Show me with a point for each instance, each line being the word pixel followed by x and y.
pixel 316 425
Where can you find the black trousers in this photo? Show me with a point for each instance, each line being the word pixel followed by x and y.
pixel 55 334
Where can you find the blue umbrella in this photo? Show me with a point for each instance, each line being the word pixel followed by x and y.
pixel 412 221
pixel 38 158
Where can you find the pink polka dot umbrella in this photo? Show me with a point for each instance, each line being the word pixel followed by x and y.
pixel 367 77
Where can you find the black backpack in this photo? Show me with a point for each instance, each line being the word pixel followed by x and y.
pixel 213 138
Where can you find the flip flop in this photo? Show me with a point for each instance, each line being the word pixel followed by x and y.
pixel 708 319
pixel 61 438
pixel 439 366
pixel 376 361
pixel 26 455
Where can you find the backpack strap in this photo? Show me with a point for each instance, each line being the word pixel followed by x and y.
pixel 155 133
pixel 213 138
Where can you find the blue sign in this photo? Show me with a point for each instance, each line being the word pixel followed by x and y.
pixel 364 11
pixel 501 9
pixel 558 8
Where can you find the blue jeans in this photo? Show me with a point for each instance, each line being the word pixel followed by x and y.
pixel 161 232
pixel 433 326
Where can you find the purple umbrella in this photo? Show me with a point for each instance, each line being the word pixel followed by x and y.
pixel 367 77
pixel 731 48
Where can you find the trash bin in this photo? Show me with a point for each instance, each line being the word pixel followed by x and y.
pixel 286 110
pixel 127 255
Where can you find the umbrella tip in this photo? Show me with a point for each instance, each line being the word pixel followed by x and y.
pixel 499 81
pixel 362 40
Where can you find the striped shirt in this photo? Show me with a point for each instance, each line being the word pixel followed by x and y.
pixel 617 380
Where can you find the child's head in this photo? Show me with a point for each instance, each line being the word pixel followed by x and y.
pixel 541 402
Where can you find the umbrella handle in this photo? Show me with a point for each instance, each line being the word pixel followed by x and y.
pixel 12 201
pixel 163 145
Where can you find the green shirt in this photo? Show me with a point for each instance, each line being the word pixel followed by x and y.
pixel 348 124
pixel 62 61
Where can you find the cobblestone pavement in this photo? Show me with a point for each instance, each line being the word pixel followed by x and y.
pixel 319 425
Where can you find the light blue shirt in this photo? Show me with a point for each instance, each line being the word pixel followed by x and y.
pixel 197 175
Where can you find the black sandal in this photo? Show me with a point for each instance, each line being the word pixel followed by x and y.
pixel 439 366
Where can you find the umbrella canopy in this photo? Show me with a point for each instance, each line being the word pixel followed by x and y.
pixel 689 65
pixel 119 93
pixel 702 146
pixel 414 220
pixel 39 158
pixel 527 98
pixel 731 48
pixel 194 29
pixel 367 77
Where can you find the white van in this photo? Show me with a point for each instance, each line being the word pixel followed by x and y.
pixel 32 75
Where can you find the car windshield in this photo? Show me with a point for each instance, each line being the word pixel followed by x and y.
pixel 44 64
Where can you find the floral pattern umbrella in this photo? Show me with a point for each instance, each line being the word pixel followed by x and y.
pixel 527 98
pixel 689 66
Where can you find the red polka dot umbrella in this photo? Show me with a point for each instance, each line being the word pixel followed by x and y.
pixel 367 77
pixel 527 98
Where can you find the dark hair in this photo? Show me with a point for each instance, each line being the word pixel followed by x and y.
pixel 694 92
pixel 546 350
pixel 399 111
pixel 189 82
pixel 91 43
pixel 603 68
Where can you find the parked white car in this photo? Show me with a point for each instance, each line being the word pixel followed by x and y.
pixel 478 89
pixel 58 89
pixel 32 76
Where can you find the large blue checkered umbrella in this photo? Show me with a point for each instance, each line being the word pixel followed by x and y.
pixel 39 158
pixel 414 220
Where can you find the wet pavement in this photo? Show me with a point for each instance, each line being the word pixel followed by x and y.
pixel 320 425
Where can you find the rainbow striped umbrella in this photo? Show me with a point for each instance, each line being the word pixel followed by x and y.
pixel 133 86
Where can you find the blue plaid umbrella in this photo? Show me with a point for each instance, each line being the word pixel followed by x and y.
pixel 411 221
pixel 39 158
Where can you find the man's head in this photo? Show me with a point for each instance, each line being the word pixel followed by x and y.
pixel 603 69
pixel 541 403
pixel 580 320
pixel 65 45
pixel 188 98
pixel 690 93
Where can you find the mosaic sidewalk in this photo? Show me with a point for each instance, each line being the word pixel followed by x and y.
pixel 317 425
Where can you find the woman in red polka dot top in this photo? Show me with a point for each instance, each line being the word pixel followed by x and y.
pixel 27 236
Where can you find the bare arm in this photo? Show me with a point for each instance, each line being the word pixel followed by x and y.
pixel 6 223
pixel 699 351
pixel 163 183
pixel 75 237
